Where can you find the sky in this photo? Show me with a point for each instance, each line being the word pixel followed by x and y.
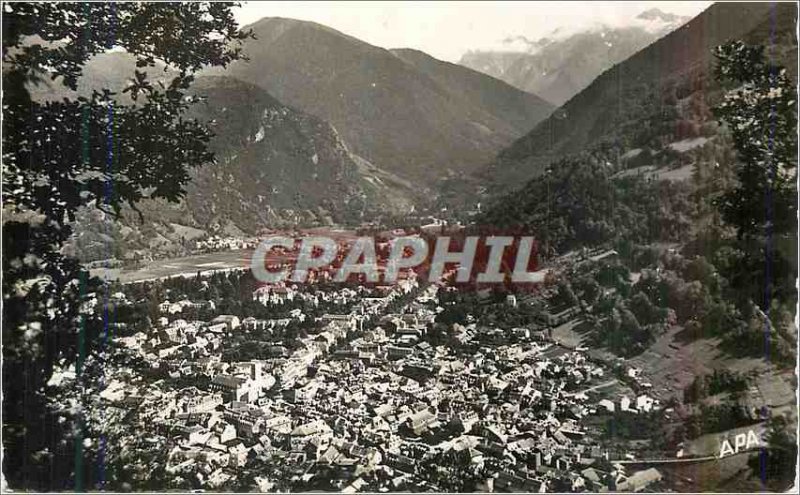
pixel 447 30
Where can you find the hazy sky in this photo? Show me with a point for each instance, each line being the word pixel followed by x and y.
pixel 448 29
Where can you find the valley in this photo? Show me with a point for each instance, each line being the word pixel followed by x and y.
pixel 649 162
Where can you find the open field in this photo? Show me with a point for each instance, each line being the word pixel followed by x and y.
pixel 672 362
pixel 211 262
pixel 184 266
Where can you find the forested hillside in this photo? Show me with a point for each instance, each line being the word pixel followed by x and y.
pixel 698 184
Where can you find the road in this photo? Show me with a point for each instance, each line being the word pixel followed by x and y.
pixel 685 460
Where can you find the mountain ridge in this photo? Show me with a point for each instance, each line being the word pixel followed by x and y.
pixel 557 67
pixel 389 111
pixel 622 104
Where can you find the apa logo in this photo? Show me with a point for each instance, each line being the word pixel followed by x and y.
pixel 742 441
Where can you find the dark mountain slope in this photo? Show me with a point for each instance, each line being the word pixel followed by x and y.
pixel 275 166
pixel 486 93
pixel 398 117
pixel 278 164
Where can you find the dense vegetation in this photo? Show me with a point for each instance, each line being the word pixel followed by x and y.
pixel 720 381
pixel 712 253
pixel 579 202
pixel 61 155
pixel 729 275
pixel 777 463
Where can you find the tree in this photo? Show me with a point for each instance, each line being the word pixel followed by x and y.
pixel 644 310
pixel 565 294
pixel 778 461
pixel 759 108
pixel 760 113
pixel 77 151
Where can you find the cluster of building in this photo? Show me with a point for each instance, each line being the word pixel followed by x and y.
pixel 367 401
pixel 220 243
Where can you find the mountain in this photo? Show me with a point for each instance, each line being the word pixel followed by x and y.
pixel 655 102
pixel 557 68
pixel 475 89
pixel 656 16
pixel 635 162
pixel 402 111
pixel 275 166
